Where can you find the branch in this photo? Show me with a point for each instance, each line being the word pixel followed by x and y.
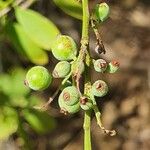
pixel 98 118
pixel 83 56
pixel 25 5
pixel 99 44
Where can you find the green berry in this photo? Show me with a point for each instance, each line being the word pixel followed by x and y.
pixel 38 78
pixel 87 106
pixel 113 66
pixel 85 103
pixel 100 65
pixel 102 11
pixel 66 108
pixel 64 48
pixel 99 88
pixel 77 67
pixel 70 95
pixel 62 69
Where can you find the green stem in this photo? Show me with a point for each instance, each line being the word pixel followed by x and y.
pixel 99 122
pixel 83 55
pixel 87 133
pixel 85 24
pixel 22 133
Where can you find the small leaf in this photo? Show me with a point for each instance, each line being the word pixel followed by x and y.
pixel 8 122
pixel 24 44
pixel 41 122
pixel 12 84
pixel 41 30
pixel 4 4
pixel 70 7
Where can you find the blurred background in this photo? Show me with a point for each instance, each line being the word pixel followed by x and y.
pixel 126 35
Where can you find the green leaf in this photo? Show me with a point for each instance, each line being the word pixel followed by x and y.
pixel 12 84
pixel 4 4
pixel 70 7
pixel 8 122
pixel 24 44
pixel 35 100
pixel 41 30
pixel 41 122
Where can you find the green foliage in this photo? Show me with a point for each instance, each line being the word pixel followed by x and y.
pixel 25 45
pixel 4 4
pixel 12 84
pixel 15 99
pixel 8 122
pixel 41 30
pixel 70 7
pixel 41 122
pixel 30 35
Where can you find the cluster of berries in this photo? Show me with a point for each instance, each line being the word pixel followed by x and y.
pixel 65 50
pixel 70 101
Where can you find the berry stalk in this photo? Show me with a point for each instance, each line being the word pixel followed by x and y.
pixel 82 56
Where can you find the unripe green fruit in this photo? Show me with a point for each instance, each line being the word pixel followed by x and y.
pixel 62 69
pixel 85 103
pixel 70 95
pixel 64 48
pixel 99 88
pixel 66 108
pixel 87 106
pixel 38 78
pixel 100 65
pixel 102 11
pixel 77 67
pixel 113 66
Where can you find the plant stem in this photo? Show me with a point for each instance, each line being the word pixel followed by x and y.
pixel 87 133
pixel 83 55
pixel 22 133
pixel 25 5
pixel 85 24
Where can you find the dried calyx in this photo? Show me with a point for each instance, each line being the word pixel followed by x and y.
pixel 99 88
pixel 100 65
pixel 85 103
pixel 113 66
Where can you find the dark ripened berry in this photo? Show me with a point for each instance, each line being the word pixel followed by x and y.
pixel 113 66
pixel 70 95
pixel 102 11
pixel 38 78
pixel 64 48
pixel 62 69
pixel 100 65
pixel 99 88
